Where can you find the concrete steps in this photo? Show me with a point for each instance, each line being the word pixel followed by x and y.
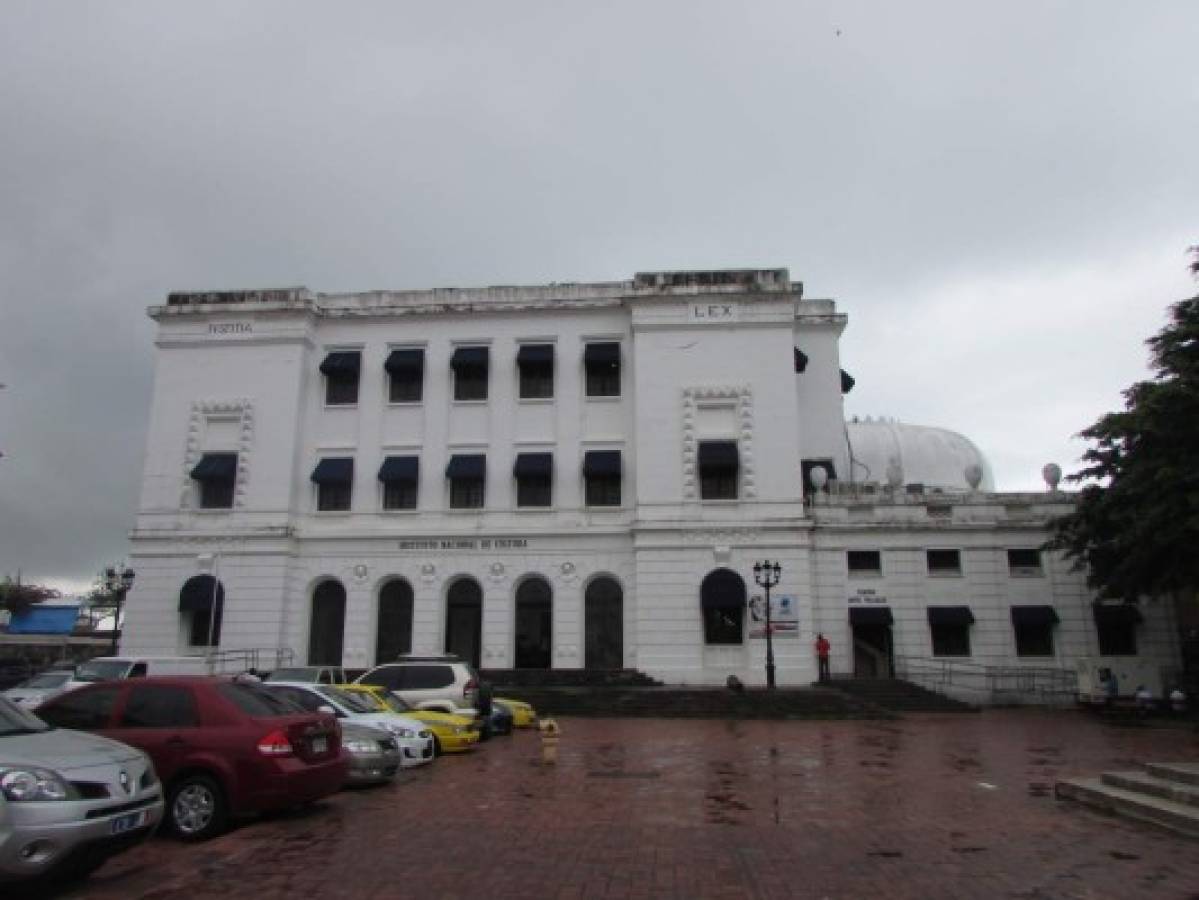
pixel 537 678
pixel 896 695
pixel 1164 794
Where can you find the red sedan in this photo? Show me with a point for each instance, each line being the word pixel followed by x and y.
pixel 220 747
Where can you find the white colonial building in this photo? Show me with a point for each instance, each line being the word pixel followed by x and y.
pixel 577 475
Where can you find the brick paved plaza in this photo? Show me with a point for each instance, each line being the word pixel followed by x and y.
pixel 926 806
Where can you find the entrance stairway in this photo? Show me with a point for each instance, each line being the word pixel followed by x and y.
pixel 628 693
pixel 897 695
pixel 1165 794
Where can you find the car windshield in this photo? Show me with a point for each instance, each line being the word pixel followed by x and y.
pixel 14 720
pixel 392 702
pixel 298 674
pixel 257 701
pixel 348 699
pixel 47 680
pixel 102 670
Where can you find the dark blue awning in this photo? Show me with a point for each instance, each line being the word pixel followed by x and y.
pixel 533 464
pixel 399 468
pixel 601 353
pixel 216 467
pixel 601 462
pixel 847 382
pixel 950 615
pixel 801 360
pixel 342 363
pixel 1034 615
pixel 871 615
pixel 400 362
pixel 197 594
pixel 469 358
pixel 467 465
pixel 535 355
pixel 718 455
pixel 334 470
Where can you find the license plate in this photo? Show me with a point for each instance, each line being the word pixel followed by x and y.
pixel 320 745
pixel 126 823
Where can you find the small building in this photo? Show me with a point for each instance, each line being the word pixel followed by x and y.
pixel 578 476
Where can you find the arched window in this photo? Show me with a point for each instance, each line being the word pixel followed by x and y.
pixel 394 633
pixel 722 599
pixel 202 601
pixel 534 624
pixel 328 624
pixel 604 624
pixel 464 620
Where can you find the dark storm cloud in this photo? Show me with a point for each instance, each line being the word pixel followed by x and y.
pixel 999 197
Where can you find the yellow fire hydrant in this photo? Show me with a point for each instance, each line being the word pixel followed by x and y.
pixel 549 741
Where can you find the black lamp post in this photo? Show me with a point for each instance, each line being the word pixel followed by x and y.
pixel 767 574
pixel 118 582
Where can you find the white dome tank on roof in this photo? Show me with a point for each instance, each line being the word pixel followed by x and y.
pixel 933 457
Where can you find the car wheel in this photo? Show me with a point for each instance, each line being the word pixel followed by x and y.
pixel 196 809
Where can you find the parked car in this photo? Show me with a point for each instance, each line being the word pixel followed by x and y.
pixel 68 801
pixel 414 739
pixel 118 668
pixel 221 747
pixel 310 674
pixel 523 714
pixel 499 721
pixel 452 732
pixel 40 688
pixel 374 754
pixel 432 682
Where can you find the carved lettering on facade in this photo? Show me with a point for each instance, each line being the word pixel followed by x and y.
pixel 231 328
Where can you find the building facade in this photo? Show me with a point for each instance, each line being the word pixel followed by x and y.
pixel 575 475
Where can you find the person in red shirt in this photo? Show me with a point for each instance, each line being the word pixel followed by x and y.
pixel 822 648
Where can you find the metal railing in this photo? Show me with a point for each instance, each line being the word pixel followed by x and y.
pixel 1031 685
pixel 261 659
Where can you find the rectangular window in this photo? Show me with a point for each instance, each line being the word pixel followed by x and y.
pixel 399 495
pixel 603 490
pixel 333 496
pixel 1034 640
pixel 466 493
pixel 216 494
pixel 944 562
pixel 334 479
pixel 341 370
pixel 950 640
pixel 216 474
pixel 533 490
pixel 718 470
pixel 865 562
pixel 1117 638
pixel 405 375
pixel 470 365
pixel 602 364
pixel 536 365
pixel 1024 562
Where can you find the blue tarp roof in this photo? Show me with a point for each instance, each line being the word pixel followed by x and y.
pixel 44 618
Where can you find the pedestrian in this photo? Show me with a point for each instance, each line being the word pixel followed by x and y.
pixel 1144 698
pixel 822 649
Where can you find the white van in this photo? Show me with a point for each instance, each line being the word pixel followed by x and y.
pixel 1130 672
pixel 115 668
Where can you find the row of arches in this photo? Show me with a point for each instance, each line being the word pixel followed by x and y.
pixel 533 622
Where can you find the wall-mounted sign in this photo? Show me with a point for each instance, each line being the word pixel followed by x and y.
pixel 466 544
pixel 867 595
pixel 225 328
pixel 784 616
pixel 713 312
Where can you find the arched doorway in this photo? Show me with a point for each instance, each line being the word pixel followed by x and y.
pixel 327 629
pixel 202 601
pixel 464 620
pixel 722 600
pixel 534 624
pixel 394 630
pixel 604 625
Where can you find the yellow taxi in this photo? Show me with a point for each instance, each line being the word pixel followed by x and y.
pixel 523 714
pixel 451 733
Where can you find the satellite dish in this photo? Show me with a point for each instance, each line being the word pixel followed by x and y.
pixel 974 475
pixel 1052 473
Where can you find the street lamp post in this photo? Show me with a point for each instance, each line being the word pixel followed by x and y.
pixel 118 583
pixel 767 574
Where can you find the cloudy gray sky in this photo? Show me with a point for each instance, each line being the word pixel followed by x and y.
pixel 1000 196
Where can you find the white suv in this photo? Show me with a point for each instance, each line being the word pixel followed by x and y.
pixel 445 683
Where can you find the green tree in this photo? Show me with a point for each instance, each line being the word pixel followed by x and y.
pixel 17 597
pixel 1135 527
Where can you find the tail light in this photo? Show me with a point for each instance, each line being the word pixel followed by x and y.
pixel 275 744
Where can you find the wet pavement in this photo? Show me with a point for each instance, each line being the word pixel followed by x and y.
pixel 927 806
